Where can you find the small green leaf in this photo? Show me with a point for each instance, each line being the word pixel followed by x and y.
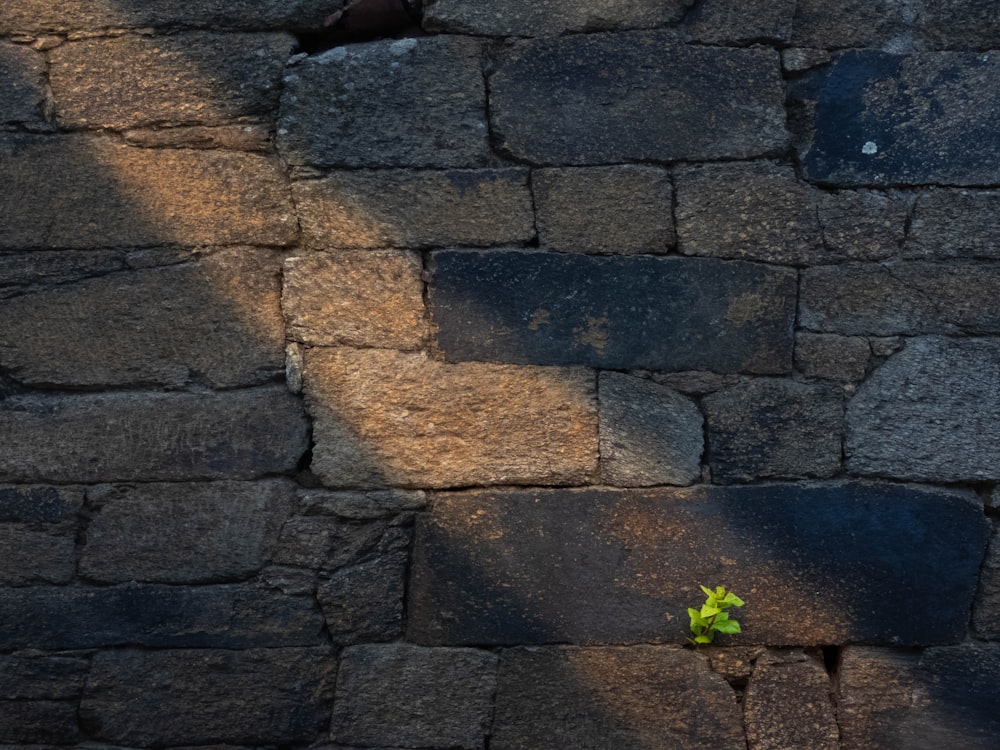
pixel 708 591
pixel 733 601
pixel 727 626
pixel 703 639
pixel 707 610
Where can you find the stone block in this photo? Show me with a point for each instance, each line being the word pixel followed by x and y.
pixel 960 24
pixel 22 84
pixel 942 697
pixel 649 434
pixel 863 224
pixel 37 269
pixel 33 555
pixel 955 224
pixel 202 697
pixel 738 22
pixel 854 23
pixel 403 695
pixel 52 722
pixel 216 320
pixel 149 197
pixel 821 355
pixel 884 119
pixel 774 428
pixel 189 78
pixel 929 413
pixel 622 209
pixel 185 533
pixel 39 503
pixel 361 505
pixel 757 212
pixel 371 298
pixel 500 567
pixel 47 678
pixel 635 96
pixel 151 436
pixel 986 613
pixel 416 209
pixel 328 543
pixel 390 418
pixel 614 313
pixel 414 102
pixel 604 698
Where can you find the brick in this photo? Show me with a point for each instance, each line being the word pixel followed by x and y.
pixel 986 614
pixel 637 697
pixel 854 23
pixel 201 697
pixel 399 694
pixel 416 209
pixel 39 503
pixel 190 78
pixel 499 567
pixel 33 555
pixel 379 113
pixel 706 104
pixel 955 224
pixel 821 355
pixel 622 209
pixel 149 197
pixel 22 84
pixel 217 320
pixel 368 299
pixel 615 313
pixel 151 436
pixel 863 224
pixel 734 22
pixel 389 418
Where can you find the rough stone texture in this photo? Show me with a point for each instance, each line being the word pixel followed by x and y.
pixel 649 434
pixel 368 299
pixel 602 566
pixel 32 555
pixel 390 208
pixel 32 722
pixel 741 22
pixel 229 616
pixel 931 412
pixel 195 78
pixel 22 84
pixel 42 677
pixel 986 614
pixel 217 320
pixel 855 23
pixel 756 212
pixel 820 355
pixel 151 436
pixel 389 418
pixel 943 697
pixel 882 119
pixel 242 137
pixel 960 23
pixel 774 428
pixel 39 504
pixel 623 209
pixel 955 224
pixel 149 197
pixel 362 505
pixel 414 102
pixel 659 100
pixel 788 704
pixel 534 18
pixel 799 59
pixel 613 699
pixel 901 297
pixel 34 270
pixel 192 697
pixel 404 695
pixel 185 533
pixel 555 309
pixel 863 224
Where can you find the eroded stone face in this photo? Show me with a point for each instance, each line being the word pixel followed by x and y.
pixel 22 91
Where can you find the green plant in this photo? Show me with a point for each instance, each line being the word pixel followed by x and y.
pixel 713 618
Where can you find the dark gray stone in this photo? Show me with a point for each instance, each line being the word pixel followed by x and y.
pixel 22 84
pixel 812 563
pixel 739 22
pixel 39 503
pixel 413 102
pixel 863 224
pixel 42 678
pixel 986 614
pixel 33 555
pixel 635 96
pixel 615 313
pixel 960 24
pixel 855 23
pixel 34 270
pixel 820 355
pixel 931 412
pixel 955 224
pixel 199 697
pixel 327 542
pixel 399 694
pixel 38 722
pixel 800 59
pixel 361 505
pixel 613 699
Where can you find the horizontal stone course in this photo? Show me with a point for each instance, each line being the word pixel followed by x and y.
pixel 33 555
pixel 955 224
pixel 22 84
pixel 40 503
pixel 863 224
pixel 741 22
pixel 31 722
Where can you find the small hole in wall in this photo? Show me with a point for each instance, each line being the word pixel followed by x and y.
pixel 831 659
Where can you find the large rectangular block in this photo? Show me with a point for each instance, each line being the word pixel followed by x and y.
pixel 22 84
pixel 955 224
pixel 812 562
pixel 33 555
pixel 39 503
pixel 616 313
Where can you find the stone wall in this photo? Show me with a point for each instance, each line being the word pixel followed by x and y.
pixel 391 376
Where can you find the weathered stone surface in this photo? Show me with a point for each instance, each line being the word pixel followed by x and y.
pixel 362 505
pixel 22 84
pixel 404 695
pixel 148 197
pixel 185 533
pixel 622 209
pixel 931 412
pixel 613 698
pixel 955 224
pixel 882 119
pixel 820 355
pixel 38 503
pixel 854 23
pixel 242 137
pixel 756 212
pixel 602 566
pixel 390 418
pixel 615 313
pixel 42 677
pixel 986 614
pixel 788 704
pixel 649 433
pixel 742 21
pixel 32 555
pixel 414 102
pixel 370 298
pixel 35 269
pixel 901 297
pixel 863 224
pixel 943 697
pixel 595 99
pixel 156 616
pixel 960 24
pixel 415 209
pixel 800 59
pixel 774 428
pixel 696 382
pixel 38 722
pixel 192 697
pixel 327 542
pixel 217 320
pixel 192 78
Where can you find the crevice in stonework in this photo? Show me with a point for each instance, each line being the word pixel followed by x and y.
pixel 364 21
